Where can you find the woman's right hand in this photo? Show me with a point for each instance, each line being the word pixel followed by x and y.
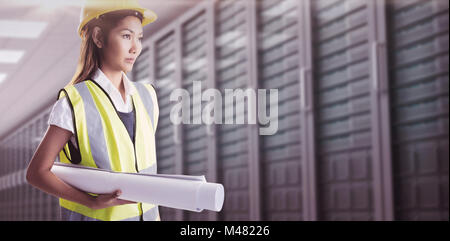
pixel 109 200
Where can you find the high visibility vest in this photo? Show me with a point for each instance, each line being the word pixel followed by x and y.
pixel 103 142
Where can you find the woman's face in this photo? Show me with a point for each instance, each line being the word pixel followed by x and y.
pixel 124 44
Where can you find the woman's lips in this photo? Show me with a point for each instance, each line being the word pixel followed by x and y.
pixel 129 60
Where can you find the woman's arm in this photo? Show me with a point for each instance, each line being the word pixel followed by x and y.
pixel 40 176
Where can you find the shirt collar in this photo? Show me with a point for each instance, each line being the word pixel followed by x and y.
pixel 107 85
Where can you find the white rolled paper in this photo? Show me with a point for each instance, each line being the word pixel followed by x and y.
pixel 191 193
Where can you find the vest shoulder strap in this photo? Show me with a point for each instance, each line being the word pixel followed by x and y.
pixel 70 151
pixel 148 95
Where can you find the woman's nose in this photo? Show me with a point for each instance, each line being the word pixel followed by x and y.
pixel 134 47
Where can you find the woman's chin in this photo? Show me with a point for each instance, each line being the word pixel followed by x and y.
pixel 127 68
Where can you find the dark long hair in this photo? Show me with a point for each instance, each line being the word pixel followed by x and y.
pixel 90 54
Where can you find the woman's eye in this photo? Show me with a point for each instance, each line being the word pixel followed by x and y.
pixel 140 39
pixel 126 35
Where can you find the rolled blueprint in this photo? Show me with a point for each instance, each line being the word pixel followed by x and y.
pixel 191 193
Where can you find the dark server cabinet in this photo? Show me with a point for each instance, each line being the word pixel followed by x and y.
pixel 343 114
pixel 231 63
pixel 278 68
pixel 418 32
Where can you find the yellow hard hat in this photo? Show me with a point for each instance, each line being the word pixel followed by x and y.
pixel 94 8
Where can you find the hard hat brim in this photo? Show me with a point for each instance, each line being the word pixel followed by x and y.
pixel 148 17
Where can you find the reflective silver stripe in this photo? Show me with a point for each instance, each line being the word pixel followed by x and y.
pixel 152 214
pixel 94 128
pixel 146 99
pixel 67 215
pixel 149 170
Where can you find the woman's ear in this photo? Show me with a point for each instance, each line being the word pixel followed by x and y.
pixel 97 37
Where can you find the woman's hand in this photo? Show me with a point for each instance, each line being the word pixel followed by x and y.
pixel 109 200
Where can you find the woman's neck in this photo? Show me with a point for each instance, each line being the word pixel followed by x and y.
pixel 114 76
pixel 116 79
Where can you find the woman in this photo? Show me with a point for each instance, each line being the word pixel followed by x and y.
pixel 101 119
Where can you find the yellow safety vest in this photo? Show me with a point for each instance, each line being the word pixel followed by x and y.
pixel 103 142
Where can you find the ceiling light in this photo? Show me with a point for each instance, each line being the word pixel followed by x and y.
pixel 45 3
pixel 2 77
pixel 10 56
pixel 21 29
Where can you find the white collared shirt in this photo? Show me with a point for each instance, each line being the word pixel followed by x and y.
pixel 61 114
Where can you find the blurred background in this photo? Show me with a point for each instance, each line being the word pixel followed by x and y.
pixel 363 125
